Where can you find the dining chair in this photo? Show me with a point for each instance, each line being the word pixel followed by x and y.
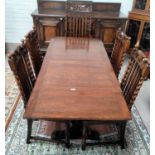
pixel 137 71
pixel 78 24
pixel 121 45
pixel 21 67
pixel 31 42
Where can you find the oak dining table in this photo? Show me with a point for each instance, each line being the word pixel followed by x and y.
pixel 76 83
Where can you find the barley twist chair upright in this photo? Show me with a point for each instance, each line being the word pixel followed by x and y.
pixel 31 42
pixel 136 73
pixel 21 67
pixel 121 45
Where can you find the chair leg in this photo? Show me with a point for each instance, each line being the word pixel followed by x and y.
pixel 67 135
pixel 84 136
pixel 29 130
pixel 122 134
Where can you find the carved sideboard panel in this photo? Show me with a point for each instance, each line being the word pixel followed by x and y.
pixel 79 6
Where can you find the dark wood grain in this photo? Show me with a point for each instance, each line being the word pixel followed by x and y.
pixel 77 84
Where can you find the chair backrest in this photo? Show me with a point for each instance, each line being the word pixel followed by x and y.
pixel 20 65
pixel 31 42
pixel 137 71
pixel 78 24
pixel 121 45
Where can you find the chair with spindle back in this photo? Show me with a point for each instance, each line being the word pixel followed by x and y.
pixel 121 45
pixel 136 73
pixel 21 67
pixel 31 42
pixel 78 24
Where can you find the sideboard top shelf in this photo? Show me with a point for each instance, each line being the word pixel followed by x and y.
pixel 52 13
pixel 58 8
pixel 97 6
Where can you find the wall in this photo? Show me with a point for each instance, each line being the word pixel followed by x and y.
pixel 18 20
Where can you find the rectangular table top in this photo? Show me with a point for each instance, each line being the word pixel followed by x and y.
pixel 76 82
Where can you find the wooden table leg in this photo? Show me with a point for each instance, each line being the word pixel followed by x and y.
pixel 84 136
pixel 29 130
pixel 122 133
pixel 67 135
pixel 76 129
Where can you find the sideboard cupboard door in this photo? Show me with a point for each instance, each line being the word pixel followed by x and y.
pixel 108 37
pixel 109 34
pixel 49 30
pixel 105 29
